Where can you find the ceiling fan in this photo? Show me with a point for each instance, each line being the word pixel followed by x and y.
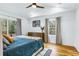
pixel 34 5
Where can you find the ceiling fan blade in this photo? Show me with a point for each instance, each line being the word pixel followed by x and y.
pixel 29 6
pixel 34 5
pixel 39 7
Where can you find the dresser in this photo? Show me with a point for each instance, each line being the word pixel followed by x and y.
pixel 37 34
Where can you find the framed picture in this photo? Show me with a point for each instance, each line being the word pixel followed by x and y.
pixel 36 23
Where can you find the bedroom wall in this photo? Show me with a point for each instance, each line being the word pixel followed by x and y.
pixel 67 23
pixel 36 29
pixel 67 28
pixel 76 33
pixel 25 26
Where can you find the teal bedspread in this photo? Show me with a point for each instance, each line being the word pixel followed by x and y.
pixel 23 47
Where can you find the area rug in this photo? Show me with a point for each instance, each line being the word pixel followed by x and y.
pixel 45 52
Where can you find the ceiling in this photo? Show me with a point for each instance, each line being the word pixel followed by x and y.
pixel 20 10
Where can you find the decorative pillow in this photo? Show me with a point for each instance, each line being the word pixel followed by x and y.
pixel 4 46
pixel 5 42
pixel 10 39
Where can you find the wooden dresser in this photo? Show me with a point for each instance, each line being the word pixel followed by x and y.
pixel 37 34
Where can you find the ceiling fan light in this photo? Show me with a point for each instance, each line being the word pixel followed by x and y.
pixel 33 6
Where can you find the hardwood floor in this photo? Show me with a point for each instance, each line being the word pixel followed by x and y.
pixel 61 50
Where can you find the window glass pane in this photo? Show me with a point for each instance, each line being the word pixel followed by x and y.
pixel 4 25
pixel 12 27
pixel 52 27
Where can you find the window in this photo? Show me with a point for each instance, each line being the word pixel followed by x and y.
pixel 8 26
pixel 52 26
pixel 12 27
pixel 4 25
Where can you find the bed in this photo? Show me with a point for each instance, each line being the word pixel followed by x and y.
pixel 24 46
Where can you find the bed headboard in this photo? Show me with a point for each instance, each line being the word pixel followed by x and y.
pixel 36 34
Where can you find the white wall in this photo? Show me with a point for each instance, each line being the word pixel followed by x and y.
pixel 67 23
pixel 76 34
pixel 67 28
pixel 37 29
pixel 25 26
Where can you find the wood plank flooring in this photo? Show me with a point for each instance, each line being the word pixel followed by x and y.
pixel 61 50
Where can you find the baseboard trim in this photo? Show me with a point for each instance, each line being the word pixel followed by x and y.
pixel 76 48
